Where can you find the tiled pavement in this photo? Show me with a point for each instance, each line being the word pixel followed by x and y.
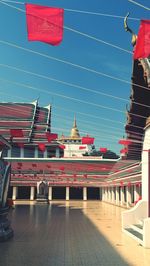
pixel 74 233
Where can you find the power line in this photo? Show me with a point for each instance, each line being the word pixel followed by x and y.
pixel 79 11
pixel 71 64
pixel 138 4
pixel 81 33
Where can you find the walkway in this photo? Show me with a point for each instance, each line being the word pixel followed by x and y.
pixel 74 233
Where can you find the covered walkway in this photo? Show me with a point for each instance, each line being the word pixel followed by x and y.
pixel 70 233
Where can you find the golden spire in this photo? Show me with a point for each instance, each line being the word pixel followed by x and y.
pixel 74 130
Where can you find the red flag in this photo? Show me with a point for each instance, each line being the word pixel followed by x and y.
pixel 103 150
pixel 87 140
pixel 44 23
pixel 41 147
pixel 51 136
pixel 125 141
pixel 124 151
pixel 82 147
pixel 62 147
pixel 142 48
pixel 16 133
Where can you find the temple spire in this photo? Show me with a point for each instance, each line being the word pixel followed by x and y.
pixel 74 130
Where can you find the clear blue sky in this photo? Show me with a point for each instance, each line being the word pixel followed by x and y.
pixel 107 126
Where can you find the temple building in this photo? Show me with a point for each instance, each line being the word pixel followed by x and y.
pixel 73 144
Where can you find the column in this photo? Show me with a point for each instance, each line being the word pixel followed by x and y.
pixel 132 194
pixel 129 202
pixel 117 195
pixel 22 152
pixel 136 193
pixel 84 193
pixel 113 195
pixel 109 194
pixel 57 153
pixel 67 193
pixel 100 193
pixel 32 193
pixel 14 194
pixel 122 196
pixel 9 153
pixel 45 153
pixel 50 193
pixel 36 152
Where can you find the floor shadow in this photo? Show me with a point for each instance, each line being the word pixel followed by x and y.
pixel 55 235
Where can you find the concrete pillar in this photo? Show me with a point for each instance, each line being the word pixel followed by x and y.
pixel 57 153
pixel 45 153
pixel 9 153
pixel 128 196
pixel 50 193
pixel 122 196
pixel 32 193
pixel 84 193
pixel 22 152
pixel 113 190
pixel 100 193
pixel 132 193
pixel 109 194
pixel 67 193
pixel 36 152
pixel 14 194
pixel 117 195
pixel 136 192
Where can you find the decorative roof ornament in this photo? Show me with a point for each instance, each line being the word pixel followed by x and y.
pixel 126 27
pixel 74 130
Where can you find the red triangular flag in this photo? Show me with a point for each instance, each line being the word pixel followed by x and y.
pixel 44 23
pixel 142 48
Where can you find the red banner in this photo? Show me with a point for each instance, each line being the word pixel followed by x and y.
pixel 41 147
pixel 142 48
pixel 44 23
pixel 103 150
pixel 51 136
pixel 87 140
pixel 125 141
pixel 82 147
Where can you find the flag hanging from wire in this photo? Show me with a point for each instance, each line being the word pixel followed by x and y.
pixel 87 140
pixel 142 48
pixel 44 23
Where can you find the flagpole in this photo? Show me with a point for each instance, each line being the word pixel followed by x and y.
pixel 138 4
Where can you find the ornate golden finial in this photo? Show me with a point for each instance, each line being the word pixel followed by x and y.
pixel 74 130
pixel 75 123
pixel 126 27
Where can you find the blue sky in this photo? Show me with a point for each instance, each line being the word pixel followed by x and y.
pixel 93 117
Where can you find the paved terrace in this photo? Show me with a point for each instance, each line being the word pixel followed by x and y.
pixel 70 233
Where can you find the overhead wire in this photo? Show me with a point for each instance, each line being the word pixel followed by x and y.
pixel 68 97
pixel 80 11
pixel 72 64
pixel 79 32
pixel 138 4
